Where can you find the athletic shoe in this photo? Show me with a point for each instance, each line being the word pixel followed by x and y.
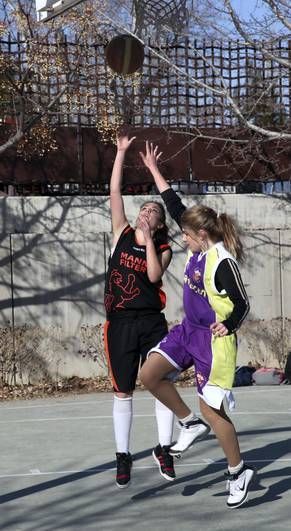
pixel 165 462
pixel 123 466
pixel 191 431
pixel 238 486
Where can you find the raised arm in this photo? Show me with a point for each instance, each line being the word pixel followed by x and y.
pixel 150 160
pixel 118 217
pixel 172 201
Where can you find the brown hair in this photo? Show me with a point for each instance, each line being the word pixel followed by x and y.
pixel 219 227
pixel 161 235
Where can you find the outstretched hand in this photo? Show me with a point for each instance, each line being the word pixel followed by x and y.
pixel 123 142
pixel 151 156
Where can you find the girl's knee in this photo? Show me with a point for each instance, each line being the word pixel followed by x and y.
pixel 213 415
pixel 154 370
pixel 147 376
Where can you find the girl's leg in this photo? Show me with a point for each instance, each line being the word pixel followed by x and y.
pixel 152 375
pixel 122 420
pixel 161 455
pixel 224 431
pixel 240 476
pixel 165 423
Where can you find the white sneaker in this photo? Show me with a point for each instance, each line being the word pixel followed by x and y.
pixel 193 430
pixel 238 486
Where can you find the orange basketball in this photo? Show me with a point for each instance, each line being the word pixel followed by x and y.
pixel 125 54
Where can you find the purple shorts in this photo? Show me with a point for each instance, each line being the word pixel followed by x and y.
pixel 186 345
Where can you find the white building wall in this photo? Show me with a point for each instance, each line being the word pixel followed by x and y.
pixel 53 256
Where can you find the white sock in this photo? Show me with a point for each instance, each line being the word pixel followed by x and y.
pixel 236 469
pixel 165 423
pixel 122 420
pixel 191 416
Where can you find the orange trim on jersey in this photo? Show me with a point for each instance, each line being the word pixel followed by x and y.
pixel 163 298
pixel 127 229
pixel 164 247
pixel 106 348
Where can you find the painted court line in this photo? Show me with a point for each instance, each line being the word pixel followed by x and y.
pixel 96 417
pixel 101 468
pixel 58 419
pixel 97 400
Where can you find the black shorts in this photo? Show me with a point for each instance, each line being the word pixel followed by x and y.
pixel 128 337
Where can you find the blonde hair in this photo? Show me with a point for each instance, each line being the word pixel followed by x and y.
pixel 219 227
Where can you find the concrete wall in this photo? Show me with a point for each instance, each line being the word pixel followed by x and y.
pixel 53 256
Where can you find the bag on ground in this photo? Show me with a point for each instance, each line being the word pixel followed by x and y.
pixel 268 376
pixel 243 376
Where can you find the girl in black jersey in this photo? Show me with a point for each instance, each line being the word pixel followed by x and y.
pixel 135 323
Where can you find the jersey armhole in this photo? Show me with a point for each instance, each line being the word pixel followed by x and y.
pixel 125 231
pixel 164 247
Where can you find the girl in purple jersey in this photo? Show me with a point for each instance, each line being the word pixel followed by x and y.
pixel 215 304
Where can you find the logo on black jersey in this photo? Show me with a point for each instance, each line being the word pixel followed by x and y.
pixel 120 290
pixel 133 262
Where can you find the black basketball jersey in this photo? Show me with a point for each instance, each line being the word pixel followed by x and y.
pixel 127 284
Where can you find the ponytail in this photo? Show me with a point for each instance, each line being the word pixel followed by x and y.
pixel 231 236
pixel 219 227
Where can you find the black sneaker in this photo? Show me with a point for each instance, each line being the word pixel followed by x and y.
pixel 123 468
pixel 165 462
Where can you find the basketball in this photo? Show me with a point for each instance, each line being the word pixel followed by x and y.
pixel 124 54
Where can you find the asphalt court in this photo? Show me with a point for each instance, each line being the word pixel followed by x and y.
pixel 57 467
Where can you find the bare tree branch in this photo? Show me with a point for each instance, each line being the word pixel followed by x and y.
pixel 249 41
pixel 278 12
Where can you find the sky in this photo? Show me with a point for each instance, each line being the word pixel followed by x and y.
pixel 244 7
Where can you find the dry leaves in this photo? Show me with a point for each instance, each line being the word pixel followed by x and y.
pixel 73 385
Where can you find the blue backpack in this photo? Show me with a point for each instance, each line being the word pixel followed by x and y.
pixel 243 376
